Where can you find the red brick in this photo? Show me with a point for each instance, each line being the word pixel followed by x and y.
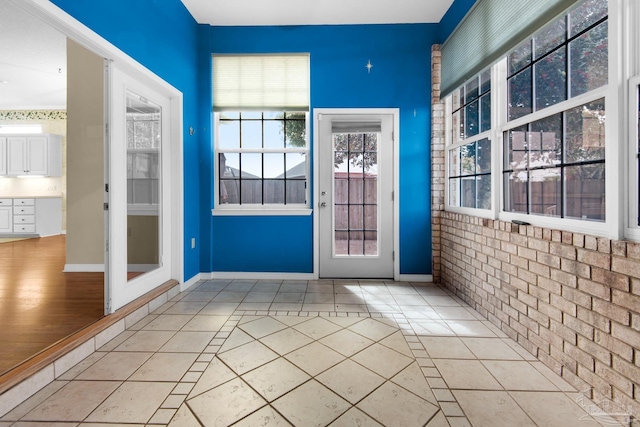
pixel 628 266
pixel 633 250
pixel 612 311
pixel 527 253
pixel 602 260
pixel 604 245
pixel 595 350
pixel 565 305
pixel 538 245
pixel 619 248
pixel 578 240
pixel 625 299
pixel 539 269
pixel 550 285
pixel 567 237
pixel 595 289
pixel 575 268
pixel 591 243
pixel 548 259
pixel 614 280
pixel 564 332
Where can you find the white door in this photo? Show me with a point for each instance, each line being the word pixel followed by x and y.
pixel 355 200
pixel 140 197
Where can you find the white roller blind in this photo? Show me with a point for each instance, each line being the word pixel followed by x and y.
pixel 490 30
pixel 261 82
pixel 338 126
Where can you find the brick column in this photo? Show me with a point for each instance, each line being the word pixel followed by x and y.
pixel 437 161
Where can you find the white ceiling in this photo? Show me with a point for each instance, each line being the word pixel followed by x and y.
pixel 33 55
pixel 33 62
pixel 314 12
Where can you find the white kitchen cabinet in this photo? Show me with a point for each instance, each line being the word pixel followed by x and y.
pixel 41 216
pixel 3 156
pixel 39 155
pixel 6 216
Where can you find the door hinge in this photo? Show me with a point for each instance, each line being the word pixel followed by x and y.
pixel 106 188
pixel 106 206
pixel 106 243
pixel 393 196
pixel 393 256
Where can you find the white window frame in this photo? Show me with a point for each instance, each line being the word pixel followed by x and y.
pixel 620 172
pixel 290 209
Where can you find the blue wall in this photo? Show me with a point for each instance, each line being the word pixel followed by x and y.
pixel 161 35
pixel 400 78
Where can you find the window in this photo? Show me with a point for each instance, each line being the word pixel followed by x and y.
pixel 143 156
pixel 546 104
pixel 554 163
pixel 261 105
pixel 262 158
pixel 469 153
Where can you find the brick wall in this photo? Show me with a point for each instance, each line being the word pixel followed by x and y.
pixel 572 300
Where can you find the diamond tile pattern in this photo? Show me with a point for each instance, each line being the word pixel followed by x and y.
pixel 296 353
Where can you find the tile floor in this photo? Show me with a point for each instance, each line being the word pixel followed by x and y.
pixel 339 353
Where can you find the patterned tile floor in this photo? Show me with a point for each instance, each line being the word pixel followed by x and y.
pixel 339 353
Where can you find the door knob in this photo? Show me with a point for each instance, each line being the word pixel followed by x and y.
pixel 323 204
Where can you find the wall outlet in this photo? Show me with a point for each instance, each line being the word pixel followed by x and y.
pixel 193 243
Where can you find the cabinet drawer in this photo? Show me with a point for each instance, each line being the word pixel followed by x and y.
pixel 24 210
pixel 24 228
pixel 6 202
pixel 24 219
pixel 24 202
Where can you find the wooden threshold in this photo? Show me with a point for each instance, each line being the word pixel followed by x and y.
pixel 52 353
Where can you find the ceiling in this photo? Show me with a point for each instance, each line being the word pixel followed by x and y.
pixel 314 12
pixel 33 62
pixel 33 73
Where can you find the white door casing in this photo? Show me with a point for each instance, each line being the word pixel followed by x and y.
pixel 354 198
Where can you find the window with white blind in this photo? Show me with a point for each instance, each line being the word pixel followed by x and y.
pixel 261 105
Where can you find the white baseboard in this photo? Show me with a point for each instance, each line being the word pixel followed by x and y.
pixel 251 276
pixel 415 278
pixel 83 268
pixel 189 283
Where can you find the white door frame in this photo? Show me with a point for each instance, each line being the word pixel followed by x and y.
pixel 395 112
pixel 73 29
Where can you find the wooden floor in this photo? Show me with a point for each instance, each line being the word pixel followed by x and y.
pixel 39 304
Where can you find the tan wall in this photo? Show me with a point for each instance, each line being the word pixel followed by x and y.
pixel 572 300
pixel 85 156
pixel 142 239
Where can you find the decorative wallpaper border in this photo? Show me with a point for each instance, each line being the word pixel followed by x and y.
pixel 33 115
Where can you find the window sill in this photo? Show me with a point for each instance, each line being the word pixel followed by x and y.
pixel 261 212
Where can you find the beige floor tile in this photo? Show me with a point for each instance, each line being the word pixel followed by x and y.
pixel 226 403
pixel 143 322
pixel 411 378
pixel 230 296
pixel 466 374
pixel 132 402
pixel 446 348
pixel 237 338
pixel 397 288
pixel 346 342
pixel 431 328
pixel 266 287
pixel 39 424
pixel 350 380
pixel 254 306
pixel 548 409
pixel 286 306
pixel 262 327
pixel 311 404
pixel 391 405
pixel 145 341
pixel 319 298
pixel 355 417
pixel 314 358
pixel 458 422
pixel 491 348
pixel 115 366
pixel 373 329
pixel 344 321
pixel 491 409
pixel 351 308
pixel 290 320
pixel 184 418
pixel 115 342
pixel 556 379
pixel 398 343
pixel 28 405
pixel 205 323
pixel 317 328
pixel 455 313
pixel 247 357
pixel 318 307
pixel 290 297
pixel 186 307
pixel 382 360
pixel 442 301
pixel 168 322
pixel 275 378
pixel 73 402
pixel 438 420
pixel 211 286
pixel 470 328
pixel 349 299
pixel 216 374
pixel 187 342
pixel 288 286
pixel 410 300
pixel 518 375
pixel 258 296
pixel 219 308
pixel 422 314
pixel 265 417
pixel 200 296
pixel 286 341
pixel 164 367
